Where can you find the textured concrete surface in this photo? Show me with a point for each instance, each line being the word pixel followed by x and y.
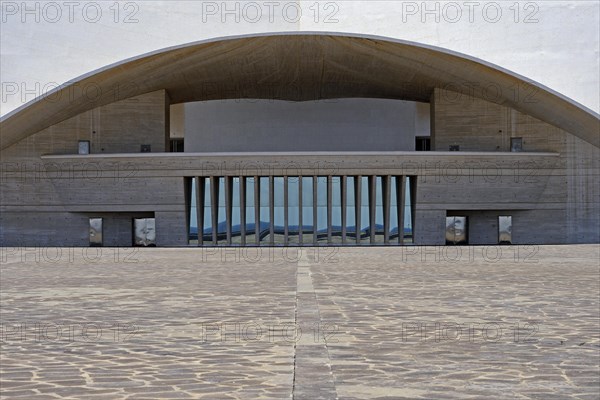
pixel 299 66
pixel 413 322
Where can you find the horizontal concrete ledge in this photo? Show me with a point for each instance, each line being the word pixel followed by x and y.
pixel 94 208
pixel 323 154
pixel 508 205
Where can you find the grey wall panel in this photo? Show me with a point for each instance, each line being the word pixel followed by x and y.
pixel 571 188
pixel 483 227
pixel 44 229
pixel 540 227
pixel 171 228
pixel 119 127
pixel 131 192
pixel 115 128
pixel 65 229
pixel 528 226
pixel 118 227
pixel 583 191
pixel 332 125
pixel 430 227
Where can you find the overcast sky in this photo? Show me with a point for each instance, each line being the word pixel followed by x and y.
pixel 48 43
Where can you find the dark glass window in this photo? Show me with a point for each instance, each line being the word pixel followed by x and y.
pixel 176 145
pixel 422 143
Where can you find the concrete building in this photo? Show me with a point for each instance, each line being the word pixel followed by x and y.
pixel 305 138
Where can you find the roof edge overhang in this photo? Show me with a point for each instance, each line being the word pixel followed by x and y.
pixel 549 105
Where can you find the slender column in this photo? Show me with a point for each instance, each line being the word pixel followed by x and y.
pixel 257 210
pixel 243 210
pixel 228 206
pixel 285 211
pixel 200 185
pixel 343 188
pixel 272 210
pixel 315 208
pixel 300 222
pixel 385 183
pixel 401 195
pixel 357 205
pixel 214 201
pixel 413 204
pixel 188 191
pixel 329 207
pixel 372 206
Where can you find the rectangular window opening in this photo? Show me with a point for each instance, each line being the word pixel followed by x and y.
pixel 422 143
pixel 505 229
pixel 516 144
pixel 313 210
pixel 176 145
pixel 96 232
pixel 457 230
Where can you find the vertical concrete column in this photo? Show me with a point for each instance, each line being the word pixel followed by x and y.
pixel 315 209
pixel 329 207
pixel 385 183
pixel 285 211
pixel 401 196
pixel 214 201
pixel 257 210
pixel 357 205
pixel 243 210
pixel 344 189
pixel 413 204
pixel 300 222
pixel 200 208
pixel 272 210
pixel 372 206
pixel 228 206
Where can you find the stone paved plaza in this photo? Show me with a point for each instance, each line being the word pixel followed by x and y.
pixel 351 323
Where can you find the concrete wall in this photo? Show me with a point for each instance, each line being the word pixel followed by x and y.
pixel 422 119
pixel 572 198
pixel 48 193
pixel 333 125
pixel 528 226
pixel 154 183
pixel 177 121
pixel 33 193
pixel 119 127
pixel 479 125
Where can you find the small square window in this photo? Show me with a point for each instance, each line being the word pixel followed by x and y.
pixel 84 147
pixel 422 143
pixel 454 147
pixel 176 145
pixel 146 148
pixel 516 144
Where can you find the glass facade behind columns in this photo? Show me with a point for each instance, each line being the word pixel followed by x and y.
pixel 305 211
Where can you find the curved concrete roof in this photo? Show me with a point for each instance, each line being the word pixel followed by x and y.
pixel 300 67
